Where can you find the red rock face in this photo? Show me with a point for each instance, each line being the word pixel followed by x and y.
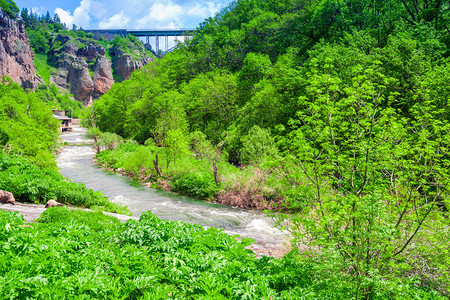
pixel 103 77
pixel 16 56
pixel 73 73
pixel 91 51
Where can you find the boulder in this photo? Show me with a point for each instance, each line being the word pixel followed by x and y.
pixel 80 81
pixel 7 197
pixel 73 75
pixel 52 203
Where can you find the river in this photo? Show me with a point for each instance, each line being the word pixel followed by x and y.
pixel 76 163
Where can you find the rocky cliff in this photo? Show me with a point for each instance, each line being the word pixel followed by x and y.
pixel 127 63
pixel 16 56
pixel 87 70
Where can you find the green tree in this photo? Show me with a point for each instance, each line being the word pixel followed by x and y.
pixel 9 8
pixel 110 140
pixel 212 103
pixel 176 145
pixel 373 180
pixel 257 146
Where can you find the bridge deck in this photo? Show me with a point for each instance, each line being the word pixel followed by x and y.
pixel 161 32
pixel 147 33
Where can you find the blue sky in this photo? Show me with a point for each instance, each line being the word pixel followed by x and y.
pixel 130 14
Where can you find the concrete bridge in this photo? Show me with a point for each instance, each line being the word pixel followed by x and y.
pixel 146 34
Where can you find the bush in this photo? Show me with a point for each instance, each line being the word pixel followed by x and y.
pixel 197 185
pixel 257 145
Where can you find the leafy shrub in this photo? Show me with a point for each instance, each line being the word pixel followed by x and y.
pixel 110 140
pixel 12 218
pixel 257 145
pixel 198 185
pixel 28 124
pixel 81 254
pixel 60 214
pixel 29 183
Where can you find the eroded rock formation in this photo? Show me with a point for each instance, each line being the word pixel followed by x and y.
pixel 16 56
pixel 103 76
pixel 84 69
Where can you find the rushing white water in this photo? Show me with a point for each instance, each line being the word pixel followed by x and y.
pixel 75 162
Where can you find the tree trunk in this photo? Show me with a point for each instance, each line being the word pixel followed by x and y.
pixel 156 163
pixel 216 173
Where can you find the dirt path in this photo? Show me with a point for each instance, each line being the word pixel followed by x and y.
pixel 33 211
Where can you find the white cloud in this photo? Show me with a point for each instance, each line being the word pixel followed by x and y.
pixel 117 21
pixel 139 14
pixel 65 16
pixel 162 15
pixel 204 10
pixel 80 16
pixel 39 10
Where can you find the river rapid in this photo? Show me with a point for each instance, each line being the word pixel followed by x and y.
pixel 76 163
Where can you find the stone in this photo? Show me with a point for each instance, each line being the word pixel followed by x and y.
pixel 91 51
pixel 52 203
pixel 7 197
pixel 80 81
pixel 71 49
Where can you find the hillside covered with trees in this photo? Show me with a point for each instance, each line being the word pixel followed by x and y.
pixel 334 111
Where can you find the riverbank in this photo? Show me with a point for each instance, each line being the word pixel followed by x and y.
pixel 79 254
pixel 277 250
pixel 32 212
pixel 76 162
pixel 246 197
pixel 248 187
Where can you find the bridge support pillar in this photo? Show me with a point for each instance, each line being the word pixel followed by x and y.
pixel 167 43
pixel 157 43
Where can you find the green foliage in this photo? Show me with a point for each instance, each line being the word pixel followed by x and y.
pixel 89 255
pixel 43 69
pixel 61 214
pixel 29 183
pixel 60 100
pixel 200 186
pixel 110 140
pixel 9 8
pixel 130 45
pixel 40 40
pixel 258 145
pixel 343 107
pixel 27 124
pixel 176 145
